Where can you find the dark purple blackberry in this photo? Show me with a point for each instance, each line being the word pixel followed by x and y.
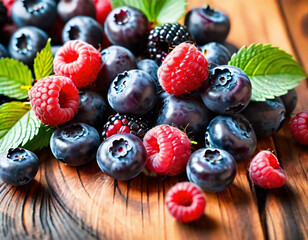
pixel 125 124
pixel 164 38
pixel 3 15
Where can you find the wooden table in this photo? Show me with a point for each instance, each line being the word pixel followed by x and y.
pixel 83 203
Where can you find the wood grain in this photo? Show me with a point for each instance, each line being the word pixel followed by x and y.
pixel 83 203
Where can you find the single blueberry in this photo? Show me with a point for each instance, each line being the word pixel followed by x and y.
pixel 122 156
pixel 75 144
pixel 233 134
pixel 18 166
pixel 212 169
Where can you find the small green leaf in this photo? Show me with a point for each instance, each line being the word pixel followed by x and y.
pixel 43 62
pixel 15 78
pixel 157 11
pixel 18 125
pixel 41 140
pixel 272 71
pixel 171 11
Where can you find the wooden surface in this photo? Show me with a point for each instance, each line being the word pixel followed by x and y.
pixel 83 203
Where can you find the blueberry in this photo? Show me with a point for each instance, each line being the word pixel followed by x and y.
pixel 186 112
pixel 150 66
pixel 122 156
pixel 212 169
pixel 265 117
pixel 289 101
pixel 231 47
pixel 233 134
pixel 3 52
pixel 92 109
pixel 75 144
pixel 18 166
pixel 127 27
pixel 68 9
pixel 38 13
pixel 25 43
pixel 228 90
pixel 85 29
pixel 115 60
pixel 132 92
pixel 216 54
pixel 207 25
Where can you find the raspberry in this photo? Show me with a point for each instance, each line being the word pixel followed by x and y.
pixel 299 127
pixel 164 37
pixel 265 171
pixel 78 61
pixel 54 99
pixel 184 70
pixel 185 201
pixel 168 150
pixel 124 124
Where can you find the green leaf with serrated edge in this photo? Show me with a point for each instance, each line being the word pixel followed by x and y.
pixel 43 62
pixel 15 78
pixel 171 11
pixel 40 140
pixel 157 11
pixel 272 71
pixel 18 125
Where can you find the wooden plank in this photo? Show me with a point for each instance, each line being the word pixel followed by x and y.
pixel 295 14
pixel 83 203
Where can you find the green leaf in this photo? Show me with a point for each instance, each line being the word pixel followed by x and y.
pixel 41 140
pixel 15 78
pixel 43 62
pixel 157 11
pixel 18 125
pixel 272 71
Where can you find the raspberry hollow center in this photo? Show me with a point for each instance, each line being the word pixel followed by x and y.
pixel 71 56
pixel 65 98
pixel 182 198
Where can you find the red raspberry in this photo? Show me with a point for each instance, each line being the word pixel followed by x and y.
pixel 54 99
pixel 265 171
pixel 185 201
pixel 299 127
pixel 183 70
pixel 78 61
pixel 168 150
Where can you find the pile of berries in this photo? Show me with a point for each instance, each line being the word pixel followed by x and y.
pixel 129 114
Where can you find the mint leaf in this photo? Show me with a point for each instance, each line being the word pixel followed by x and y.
pixel 157 11
pixel 43 62
pixel 171 11
pixel 40 140
pixel 272 71
pixel 15 78
pixel 18 125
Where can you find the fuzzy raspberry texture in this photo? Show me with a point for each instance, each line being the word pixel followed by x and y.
pixel 54 99
pixel 185 201
pixel 299 127
pixel 265 171
pixel 78 61
pixel 183 70
pixel 168 150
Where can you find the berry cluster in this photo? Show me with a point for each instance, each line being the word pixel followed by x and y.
pixel 135 104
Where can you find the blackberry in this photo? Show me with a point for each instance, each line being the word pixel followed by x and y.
pixel 125 124
pixel 3 15
pixel 163 38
